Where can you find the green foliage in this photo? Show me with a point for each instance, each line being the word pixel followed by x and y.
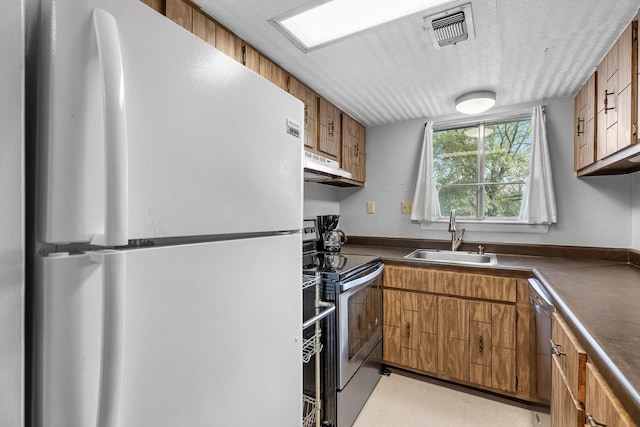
pixel 503 162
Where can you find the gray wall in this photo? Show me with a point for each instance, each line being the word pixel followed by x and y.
pixel 593 211
pixel 11 216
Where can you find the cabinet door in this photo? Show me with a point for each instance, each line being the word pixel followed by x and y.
pixel 480 339
pixel 228 43
pixel 329 131
pixel 503 347
pixel 427 329
pixel 353 148
pixel 157 5
pixel 584 124
pixel 181 13
pixel 391 325
pixel 309 97
pixel 570 357
pixel 617 96
pixel 601 406
pixel 565 411
pixel 251 58
pixel 453 338
pixel 204 27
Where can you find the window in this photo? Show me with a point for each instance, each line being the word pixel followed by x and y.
pixel 481 169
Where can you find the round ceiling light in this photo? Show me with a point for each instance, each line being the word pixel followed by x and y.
pixel 475 102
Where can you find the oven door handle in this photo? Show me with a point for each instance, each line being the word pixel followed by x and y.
pixel 345 286
pixel 324 313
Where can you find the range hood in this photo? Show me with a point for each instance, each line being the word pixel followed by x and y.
pixel 321 169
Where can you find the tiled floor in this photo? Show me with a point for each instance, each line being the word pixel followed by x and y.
pixel 400 401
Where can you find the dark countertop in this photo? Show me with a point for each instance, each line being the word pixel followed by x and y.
pixel 600 300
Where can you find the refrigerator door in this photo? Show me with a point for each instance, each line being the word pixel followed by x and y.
pixel 194 335
pixel 146 131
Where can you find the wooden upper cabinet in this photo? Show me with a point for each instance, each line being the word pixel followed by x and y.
pixel 157 5
pixel 310 100
pixel 251 58
pixel 585 124
pixel 617 95
pixel 354 156
pixel 273 72
pixel 329 129
pixel 204 27
pixel 180 12
pixel 228 43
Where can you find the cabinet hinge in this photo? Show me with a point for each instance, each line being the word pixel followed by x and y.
pixel 244 56
pixel 634 34
pixel 634 129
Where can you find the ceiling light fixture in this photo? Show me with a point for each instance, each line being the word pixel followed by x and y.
pixel 475 102
pixel 315 25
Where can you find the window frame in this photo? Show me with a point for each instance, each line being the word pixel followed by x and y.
pixel 482 222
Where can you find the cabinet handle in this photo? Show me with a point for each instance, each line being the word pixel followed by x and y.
pixel 480 344
pixel 578 132
pixel 555 350
pixel 592 422
pixel 408 329
pixel 606 101
pixel 357 150
pixel 331 128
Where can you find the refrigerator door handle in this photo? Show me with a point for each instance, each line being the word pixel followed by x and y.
pixel 115 132
pixel 113 320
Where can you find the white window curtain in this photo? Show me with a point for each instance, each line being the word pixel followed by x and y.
pixel 426 205
pixel 538 200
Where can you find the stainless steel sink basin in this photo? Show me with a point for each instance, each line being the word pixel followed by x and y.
pixel 470 258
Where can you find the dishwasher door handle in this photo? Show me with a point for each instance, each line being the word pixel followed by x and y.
pixel 330 309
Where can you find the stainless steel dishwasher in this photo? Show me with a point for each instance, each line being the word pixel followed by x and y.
pixel 543 312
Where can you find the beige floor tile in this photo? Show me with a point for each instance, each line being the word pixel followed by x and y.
pixel 400 401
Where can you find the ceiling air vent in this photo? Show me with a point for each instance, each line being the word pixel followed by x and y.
pixel 451 26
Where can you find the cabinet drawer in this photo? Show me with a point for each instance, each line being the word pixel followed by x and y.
pixel 451 283
pixel 570 357
pixel 415 279
pixel 477 286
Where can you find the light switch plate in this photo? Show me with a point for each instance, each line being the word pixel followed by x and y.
pixel 405 207
pixel 371 207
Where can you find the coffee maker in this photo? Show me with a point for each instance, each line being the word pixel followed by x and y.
pixel 331 238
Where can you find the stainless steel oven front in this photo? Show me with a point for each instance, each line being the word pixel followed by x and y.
pixel 359 318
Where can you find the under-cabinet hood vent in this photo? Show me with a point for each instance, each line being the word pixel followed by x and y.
pixel 451 26
pixel 321 169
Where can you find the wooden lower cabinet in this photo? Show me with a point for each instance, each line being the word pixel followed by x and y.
pixel 579 395
pixel 565 410
pixel 410 329
pixel 460 339
pixel 601 405
pixel 477 342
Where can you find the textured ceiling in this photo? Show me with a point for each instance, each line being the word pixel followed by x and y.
pixel 524 51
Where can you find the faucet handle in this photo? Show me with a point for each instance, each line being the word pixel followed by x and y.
pixel 480 250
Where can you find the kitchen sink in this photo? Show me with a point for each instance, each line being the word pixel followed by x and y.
pixel 449 257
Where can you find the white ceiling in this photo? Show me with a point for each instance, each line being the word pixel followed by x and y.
pixel 525 51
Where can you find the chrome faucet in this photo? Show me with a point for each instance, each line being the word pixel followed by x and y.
pixel 455 241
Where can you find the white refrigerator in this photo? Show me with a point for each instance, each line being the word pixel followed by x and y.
pixel 169 209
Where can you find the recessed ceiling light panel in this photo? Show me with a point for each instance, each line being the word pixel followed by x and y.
pixel 317 24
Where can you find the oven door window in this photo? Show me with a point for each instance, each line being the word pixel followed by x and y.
pixel 363 319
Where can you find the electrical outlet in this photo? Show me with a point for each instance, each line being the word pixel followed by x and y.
pixel 371 207
pixel 405 207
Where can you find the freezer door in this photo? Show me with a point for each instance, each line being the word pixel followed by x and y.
pixel 146 131
pixel 193 335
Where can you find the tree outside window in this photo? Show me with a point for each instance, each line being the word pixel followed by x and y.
pixel 481 169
